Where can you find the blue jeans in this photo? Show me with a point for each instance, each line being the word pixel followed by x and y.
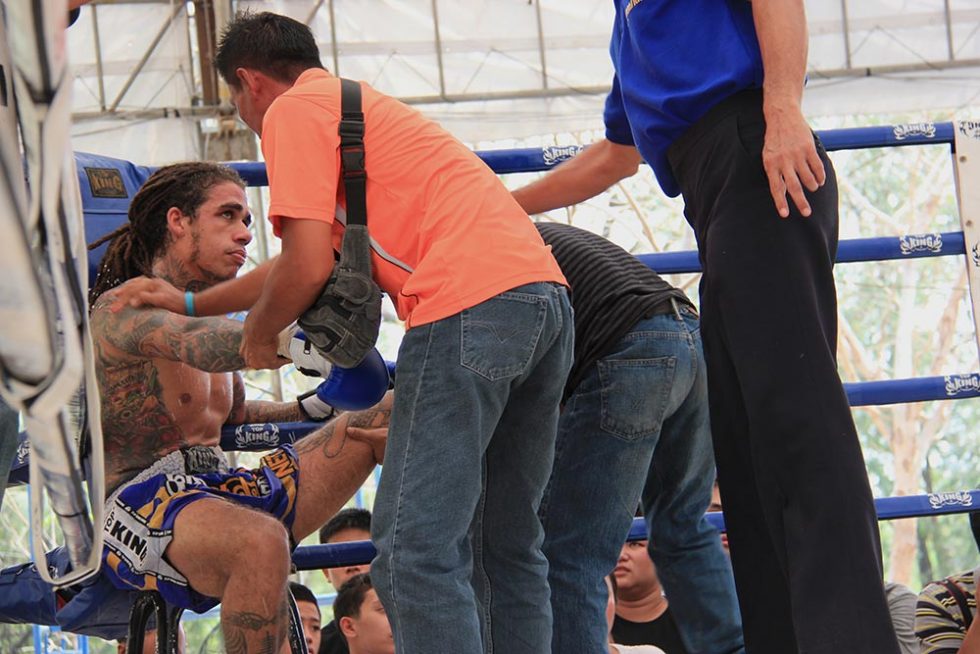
pixel 637 426
pixel 459 566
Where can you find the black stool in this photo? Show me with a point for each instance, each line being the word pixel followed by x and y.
pixel 168 622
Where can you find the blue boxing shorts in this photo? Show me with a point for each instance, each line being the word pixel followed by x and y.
pixel 139 515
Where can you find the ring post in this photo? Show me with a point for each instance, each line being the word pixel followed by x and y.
pixel 966 172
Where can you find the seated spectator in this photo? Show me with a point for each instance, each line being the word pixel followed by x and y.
pixel 362 619
pixel 347 526
pixel 615 648
pixel 642 612
pixel 309 613
pixel 946 613
pixel 150 642
pixel 715 505
pixel 901 606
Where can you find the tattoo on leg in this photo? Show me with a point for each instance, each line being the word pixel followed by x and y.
pixel 236 626
pixel 248 620
pixel 332 437
pixel 328 444
pixel 370 418
pixel 235 641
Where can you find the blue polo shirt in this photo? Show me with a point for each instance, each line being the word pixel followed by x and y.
pixel 675 60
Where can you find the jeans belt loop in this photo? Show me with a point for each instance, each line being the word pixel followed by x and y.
pixel 677 309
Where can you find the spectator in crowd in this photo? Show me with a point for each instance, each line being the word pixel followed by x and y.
pixel 715 506
pixel 362 618
pixel 615 648
pixel 946 613
pixel 150 642
pixel 901 606
pixel 642 613
pixel 309 613
pixel 351 524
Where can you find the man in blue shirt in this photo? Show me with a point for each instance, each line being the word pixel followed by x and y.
pixel 708 92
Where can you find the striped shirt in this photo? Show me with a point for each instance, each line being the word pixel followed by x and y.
pixel 611 291
pixel 942 615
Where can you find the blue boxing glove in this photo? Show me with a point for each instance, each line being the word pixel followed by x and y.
pixel 348 389
pixel 307 359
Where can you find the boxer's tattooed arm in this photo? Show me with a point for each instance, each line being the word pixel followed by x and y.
pixel 209 344
pixel 262 411
pixel 256 411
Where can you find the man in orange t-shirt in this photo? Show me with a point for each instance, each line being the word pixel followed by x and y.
pixel 482 365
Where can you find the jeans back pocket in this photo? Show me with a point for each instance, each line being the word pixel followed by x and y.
pixel 635 394
pixel 499 336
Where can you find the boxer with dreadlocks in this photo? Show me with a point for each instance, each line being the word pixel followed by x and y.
pixel 178 520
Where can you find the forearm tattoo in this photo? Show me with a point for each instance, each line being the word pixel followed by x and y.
pixel 263 411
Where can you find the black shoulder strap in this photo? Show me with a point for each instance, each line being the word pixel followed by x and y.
pixel 352 151
pixel 958 595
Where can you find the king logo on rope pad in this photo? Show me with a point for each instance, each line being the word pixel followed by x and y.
pixel 257 434
pixel 902 132
pixel 956 384
pixel 554 154
pixel 910 243
pixel 958 498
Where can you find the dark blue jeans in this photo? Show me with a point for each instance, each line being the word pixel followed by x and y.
pixel 459 566
pixel 637 427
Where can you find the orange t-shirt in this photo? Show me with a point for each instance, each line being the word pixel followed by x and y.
pixel 446 234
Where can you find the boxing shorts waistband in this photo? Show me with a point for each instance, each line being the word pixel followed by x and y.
pixel 192 460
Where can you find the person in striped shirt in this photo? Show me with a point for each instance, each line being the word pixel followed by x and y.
pixel 946 614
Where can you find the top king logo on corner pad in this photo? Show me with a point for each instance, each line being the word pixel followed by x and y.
pixel 106 183
pixel 257 434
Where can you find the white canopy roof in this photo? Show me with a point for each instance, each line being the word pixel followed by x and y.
pixel 487 69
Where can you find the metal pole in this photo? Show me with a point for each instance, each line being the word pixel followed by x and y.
pixel 541 49
pixel 312 14
pixel 438 40
pixel 949 30
pixel 333 40
pixel 845 24
pixel 146 55
pixel 98 56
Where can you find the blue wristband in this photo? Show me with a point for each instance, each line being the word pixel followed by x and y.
pixel 189 303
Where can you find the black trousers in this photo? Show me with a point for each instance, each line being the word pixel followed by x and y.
pixel 799 510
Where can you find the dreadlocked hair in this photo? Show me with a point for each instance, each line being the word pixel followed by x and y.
pixel 137 244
